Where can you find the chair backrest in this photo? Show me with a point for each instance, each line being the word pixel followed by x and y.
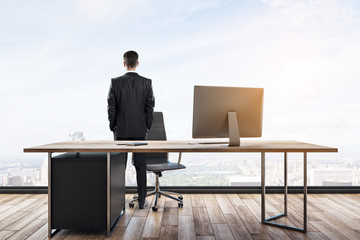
pixel 157 133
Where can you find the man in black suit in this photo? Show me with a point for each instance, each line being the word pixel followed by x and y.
pixel 130 110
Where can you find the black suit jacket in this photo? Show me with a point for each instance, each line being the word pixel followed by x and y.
pixel 130 105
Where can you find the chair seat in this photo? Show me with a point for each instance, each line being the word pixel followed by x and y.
pixel 164 166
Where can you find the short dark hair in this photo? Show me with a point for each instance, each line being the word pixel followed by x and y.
pixel 131 58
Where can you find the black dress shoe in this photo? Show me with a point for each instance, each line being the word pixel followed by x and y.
pixel 143 204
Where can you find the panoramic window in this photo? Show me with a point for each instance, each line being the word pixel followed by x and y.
pixel 57 60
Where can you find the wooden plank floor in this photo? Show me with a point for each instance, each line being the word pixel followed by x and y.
pixel 204 216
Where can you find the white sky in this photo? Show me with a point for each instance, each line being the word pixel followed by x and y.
pixel 57 58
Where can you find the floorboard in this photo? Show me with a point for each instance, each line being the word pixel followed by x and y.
pixel 204 216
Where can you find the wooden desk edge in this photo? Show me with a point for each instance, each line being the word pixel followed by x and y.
pixel 181 146
pixel 185 150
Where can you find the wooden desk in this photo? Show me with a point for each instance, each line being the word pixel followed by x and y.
pixel 184 146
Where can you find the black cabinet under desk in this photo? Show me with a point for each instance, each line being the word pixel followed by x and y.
pixel 79 197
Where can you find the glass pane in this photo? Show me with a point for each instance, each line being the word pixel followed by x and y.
pixel 57 60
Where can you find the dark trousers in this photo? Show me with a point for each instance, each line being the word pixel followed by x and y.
pixel 140 167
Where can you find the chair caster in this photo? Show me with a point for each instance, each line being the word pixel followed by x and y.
pixel 135 197
pixel 180 205
pixel 181 197
pixel 131 205
pixel 154 209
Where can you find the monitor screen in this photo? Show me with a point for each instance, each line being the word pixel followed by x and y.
pixel 212 105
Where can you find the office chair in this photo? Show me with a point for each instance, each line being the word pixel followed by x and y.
pixel 159 162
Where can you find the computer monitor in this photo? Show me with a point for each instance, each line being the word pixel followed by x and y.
pixel 227 112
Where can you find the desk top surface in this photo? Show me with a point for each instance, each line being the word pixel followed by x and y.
pixel 180 146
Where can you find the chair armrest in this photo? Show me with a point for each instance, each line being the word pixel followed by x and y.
pixel 179 160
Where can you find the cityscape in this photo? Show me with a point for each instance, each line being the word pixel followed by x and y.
pixel 213 170
pixel 208 169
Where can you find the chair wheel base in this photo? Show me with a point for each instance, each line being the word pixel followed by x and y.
pixel 131 205
pixel 154 209
pixel 181 205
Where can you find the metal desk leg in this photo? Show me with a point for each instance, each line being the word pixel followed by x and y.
pixel 49 194
pixel 263 187
pixel 267 220
pixel 305 192
pixel 285 183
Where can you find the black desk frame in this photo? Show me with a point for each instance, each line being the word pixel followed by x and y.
pixel 112 216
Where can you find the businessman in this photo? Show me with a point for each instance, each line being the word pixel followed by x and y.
pixel 130 112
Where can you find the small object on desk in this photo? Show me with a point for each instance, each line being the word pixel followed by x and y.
pixel 136 144
pixel 213 142
pixel 132 144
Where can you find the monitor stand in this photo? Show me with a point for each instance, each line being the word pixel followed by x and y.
pixel 234 136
